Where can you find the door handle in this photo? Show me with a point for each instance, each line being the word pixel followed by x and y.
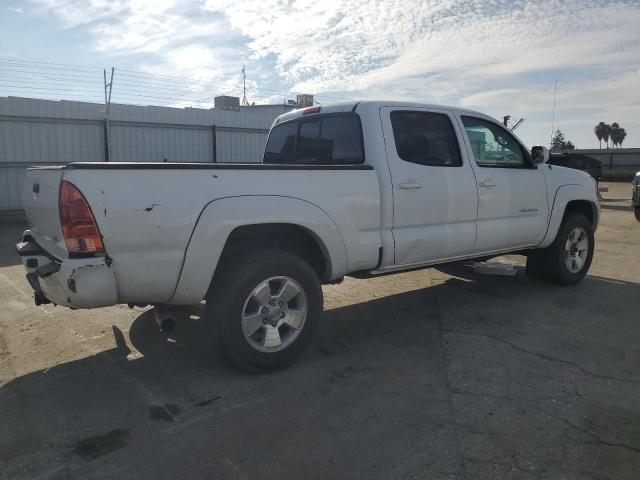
pixel 410 186
pixel 487 183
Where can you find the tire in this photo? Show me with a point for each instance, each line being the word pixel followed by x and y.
pixel 636 212
pixel 566 261
pixel 239 303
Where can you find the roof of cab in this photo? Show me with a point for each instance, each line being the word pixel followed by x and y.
pixel 373 104
pixel 364 105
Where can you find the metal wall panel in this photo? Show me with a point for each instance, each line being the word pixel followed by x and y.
pixel 47 142
pixel 11 184
pixel 34 131
pixel 240 147
pixel 149 144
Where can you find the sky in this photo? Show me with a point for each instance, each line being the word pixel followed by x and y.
pixel 499 57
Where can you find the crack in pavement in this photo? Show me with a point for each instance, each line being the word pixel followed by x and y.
pixel 543 355
pixel 597 440
pixel 448 384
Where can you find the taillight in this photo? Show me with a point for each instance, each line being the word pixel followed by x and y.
pixel 79 228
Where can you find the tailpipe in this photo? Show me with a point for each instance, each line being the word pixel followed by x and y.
pixel 164 317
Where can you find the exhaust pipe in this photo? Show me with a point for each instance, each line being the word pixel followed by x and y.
pixel 165 318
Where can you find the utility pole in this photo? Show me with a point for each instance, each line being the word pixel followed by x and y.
pixel 245 102
pixel 107 103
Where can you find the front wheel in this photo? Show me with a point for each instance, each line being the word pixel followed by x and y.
pixel 567 260
pixel 636 212
pixel 265 310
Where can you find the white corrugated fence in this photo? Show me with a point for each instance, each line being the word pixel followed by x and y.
pixel 45 132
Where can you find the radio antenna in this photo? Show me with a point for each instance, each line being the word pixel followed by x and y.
pixel 245 102
pixel 553 117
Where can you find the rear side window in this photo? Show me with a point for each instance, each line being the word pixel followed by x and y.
pixel 307 151
pixel 426 138
pixel 323 139
pixel 282 143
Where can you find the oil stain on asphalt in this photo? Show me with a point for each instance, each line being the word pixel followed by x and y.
pixel 95 446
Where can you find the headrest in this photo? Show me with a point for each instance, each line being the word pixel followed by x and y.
pixel 413 146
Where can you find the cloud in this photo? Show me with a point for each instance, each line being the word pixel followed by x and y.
pixel 499 56
pixel 73 13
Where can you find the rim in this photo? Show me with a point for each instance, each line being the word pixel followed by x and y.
pixel 576 250
pixel 274 314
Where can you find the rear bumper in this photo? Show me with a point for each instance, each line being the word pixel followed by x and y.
pixel 71 282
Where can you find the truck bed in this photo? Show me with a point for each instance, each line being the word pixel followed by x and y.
pixel 147 214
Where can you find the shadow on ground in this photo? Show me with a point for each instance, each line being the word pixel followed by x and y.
pixel 498 378
pixel 10 233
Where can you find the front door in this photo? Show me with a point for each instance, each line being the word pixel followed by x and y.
pixel 512 193
pixel 435 197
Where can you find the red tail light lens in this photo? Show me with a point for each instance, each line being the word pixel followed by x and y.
pixel 310 110
pixel 79 227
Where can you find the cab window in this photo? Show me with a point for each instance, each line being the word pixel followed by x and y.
pixel 492 145
pixel 331 139
pixel 426 138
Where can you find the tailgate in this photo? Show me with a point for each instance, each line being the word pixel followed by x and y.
pixel 40 200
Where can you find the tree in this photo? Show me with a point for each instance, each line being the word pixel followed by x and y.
pixel 559 142
pixel 617 134
pixel 622 136
pixel 615 128
pixel 606 133
pixel 599 131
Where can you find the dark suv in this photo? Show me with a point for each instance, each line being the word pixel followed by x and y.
pixel 635 195
pixel 578 161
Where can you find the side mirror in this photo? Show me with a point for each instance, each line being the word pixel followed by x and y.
pixel 539 154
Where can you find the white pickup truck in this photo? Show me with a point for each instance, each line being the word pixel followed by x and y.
pixel 357 189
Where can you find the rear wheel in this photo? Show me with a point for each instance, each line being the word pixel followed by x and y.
pixel 265 309
pixel 636 212
pixel 567 260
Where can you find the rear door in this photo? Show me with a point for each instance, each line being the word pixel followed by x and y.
pixel 512 192
pixel 435 197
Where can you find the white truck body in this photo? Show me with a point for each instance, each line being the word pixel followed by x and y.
pixel 165 226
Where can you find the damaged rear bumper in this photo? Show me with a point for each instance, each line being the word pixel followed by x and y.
pixel 71 282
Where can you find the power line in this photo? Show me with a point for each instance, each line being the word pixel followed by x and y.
pixel 33 62
pixel 149 76
pixel 43 84
pixel 132 95
pixel 135 84
pixel 135 73
pixel 133 81
pixel 78 89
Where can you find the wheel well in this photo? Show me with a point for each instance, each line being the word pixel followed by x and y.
pixel 282 236
pixel 580 206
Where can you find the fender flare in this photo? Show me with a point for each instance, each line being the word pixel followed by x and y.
pixel 565 194
pixel 220 217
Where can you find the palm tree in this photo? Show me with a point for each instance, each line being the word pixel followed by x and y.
pixel 615 133
pixel 606 133
pixel 599 131
pixel 622 134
